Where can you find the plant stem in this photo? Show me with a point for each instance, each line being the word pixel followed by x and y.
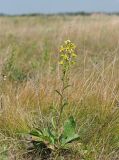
pixel 62 97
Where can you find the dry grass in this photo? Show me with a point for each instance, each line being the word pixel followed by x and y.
pixel 30 46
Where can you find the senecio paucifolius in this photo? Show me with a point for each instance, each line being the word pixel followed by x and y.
pixel 67 54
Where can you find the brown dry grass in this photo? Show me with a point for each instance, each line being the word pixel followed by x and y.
pixel 94 95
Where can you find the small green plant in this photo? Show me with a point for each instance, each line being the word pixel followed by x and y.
pixel 58 135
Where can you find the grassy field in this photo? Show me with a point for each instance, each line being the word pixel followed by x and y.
pixel 30 74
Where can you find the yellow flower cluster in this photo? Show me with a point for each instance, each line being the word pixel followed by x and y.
pixel 67 53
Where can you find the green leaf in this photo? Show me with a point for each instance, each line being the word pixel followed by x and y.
pixel 40 135
pixel 66 87
pixel 69 134
pixel 53 123
pixel 58 93
pixel 70 139
pixel 69 127
pixel 36 133
pixel 51 136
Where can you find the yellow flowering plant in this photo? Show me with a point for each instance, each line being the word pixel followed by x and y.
pixel 67 59
pixel 53 139
pixel 67 54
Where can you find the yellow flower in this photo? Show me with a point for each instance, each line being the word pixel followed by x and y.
pixel 68 54
pixel 61 48
pixel 61 62
pixel 65 57
pixel 73 62
pixel 74 55
pixel 67 41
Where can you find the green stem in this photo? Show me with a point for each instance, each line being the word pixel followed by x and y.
pixel 62 98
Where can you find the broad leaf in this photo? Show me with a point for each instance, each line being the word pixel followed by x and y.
pixel 70 139
pixel 69 127
pixel 69 132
